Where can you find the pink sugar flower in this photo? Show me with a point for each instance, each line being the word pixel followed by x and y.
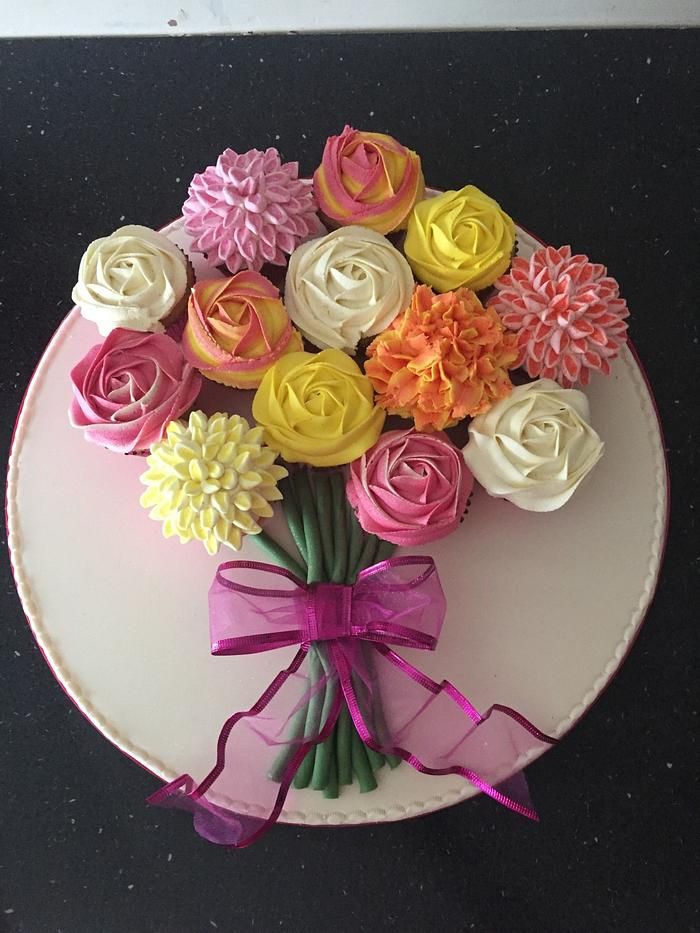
pixel 567 313
pixel 248 209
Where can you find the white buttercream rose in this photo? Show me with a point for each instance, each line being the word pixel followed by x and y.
pixel 534 447
pixel 347 285
pixel 134 278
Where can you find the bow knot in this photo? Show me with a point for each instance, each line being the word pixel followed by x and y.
pixel 328 612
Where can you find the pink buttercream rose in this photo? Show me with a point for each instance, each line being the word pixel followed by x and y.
pixel 410 488
pixel 127 389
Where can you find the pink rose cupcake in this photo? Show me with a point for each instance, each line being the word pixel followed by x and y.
pixel 410 488
pixel 127 389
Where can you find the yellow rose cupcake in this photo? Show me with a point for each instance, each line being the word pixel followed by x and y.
pixel 318 408
pixel 459 239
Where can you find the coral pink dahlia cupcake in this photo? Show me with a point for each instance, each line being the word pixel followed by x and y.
pixel 249 209
pixel 567 313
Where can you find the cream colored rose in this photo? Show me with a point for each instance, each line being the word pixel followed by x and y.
pixel 534 447
pixel 347 285
pixel 133 278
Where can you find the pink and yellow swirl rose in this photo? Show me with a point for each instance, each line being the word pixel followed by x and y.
pixel 237 328
pixel 368 179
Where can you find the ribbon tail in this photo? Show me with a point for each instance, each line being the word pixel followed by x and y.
pixel 243 795
pixel 435 728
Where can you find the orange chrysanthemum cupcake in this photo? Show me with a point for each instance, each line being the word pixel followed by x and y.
pixel 443 358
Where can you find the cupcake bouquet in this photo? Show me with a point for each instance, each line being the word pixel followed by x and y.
pixel 404 318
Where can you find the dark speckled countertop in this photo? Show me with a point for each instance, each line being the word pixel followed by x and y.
pixel 588 138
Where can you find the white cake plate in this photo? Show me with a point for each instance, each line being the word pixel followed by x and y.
pixel 542 608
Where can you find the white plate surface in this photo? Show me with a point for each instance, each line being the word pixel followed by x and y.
pixel 542 608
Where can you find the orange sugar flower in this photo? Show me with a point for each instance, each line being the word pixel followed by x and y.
pixel 443 358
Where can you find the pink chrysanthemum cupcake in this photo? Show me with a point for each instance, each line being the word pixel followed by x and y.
pixel 249 209
pixel 567 313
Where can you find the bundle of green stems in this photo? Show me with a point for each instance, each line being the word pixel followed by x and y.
pixel 333 549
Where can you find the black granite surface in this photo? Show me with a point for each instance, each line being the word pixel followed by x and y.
pixel 588 138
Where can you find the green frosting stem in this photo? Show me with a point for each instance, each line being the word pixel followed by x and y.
pixel 379 727
pixel 314 711
pixel 279 555
pixel 312 532
pixel 340 529
pixel 285 755
pixel 319 483
pixel 384 551
pixel 317 704
pixel 344 731
pixel 325 752
pixel 335 548
pixel 331 790
pixel 360 764
pixel 303 775
pixel 355 540
pixel 376 759
pixel 366 558
pixel 293 516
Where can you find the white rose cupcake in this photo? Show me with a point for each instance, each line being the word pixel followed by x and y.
pixel 534 447
pixel 135 278
pixel 345 286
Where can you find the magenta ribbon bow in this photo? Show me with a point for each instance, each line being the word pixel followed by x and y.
pixel 344 635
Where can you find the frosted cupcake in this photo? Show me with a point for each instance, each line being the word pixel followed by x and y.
pixel 368 179
pixel 134 278
pixel 249 209
pixel 459 239
pixel 345 286
pixel 129 387
pixel 237 328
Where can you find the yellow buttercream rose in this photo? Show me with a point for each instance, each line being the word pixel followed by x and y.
pixel 459 238
pixel 318 408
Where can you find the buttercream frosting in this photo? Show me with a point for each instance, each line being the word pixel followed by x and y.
pixel 459 238
pixel 345 286
pixel 248 209
pixel 368 179
pixel 443 358
pixel 127 389
pixel 567 313
pixel 535 447
pixel 410 488
pixel 318 408
pixel 133 278
pixel 211 480
pixel 237 328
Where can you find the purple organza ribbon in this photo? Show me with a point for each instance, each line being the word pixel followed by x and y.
pixel 344 635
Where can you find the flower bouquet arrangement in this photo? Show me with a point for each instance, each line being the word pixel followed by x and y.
pixel 403 326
